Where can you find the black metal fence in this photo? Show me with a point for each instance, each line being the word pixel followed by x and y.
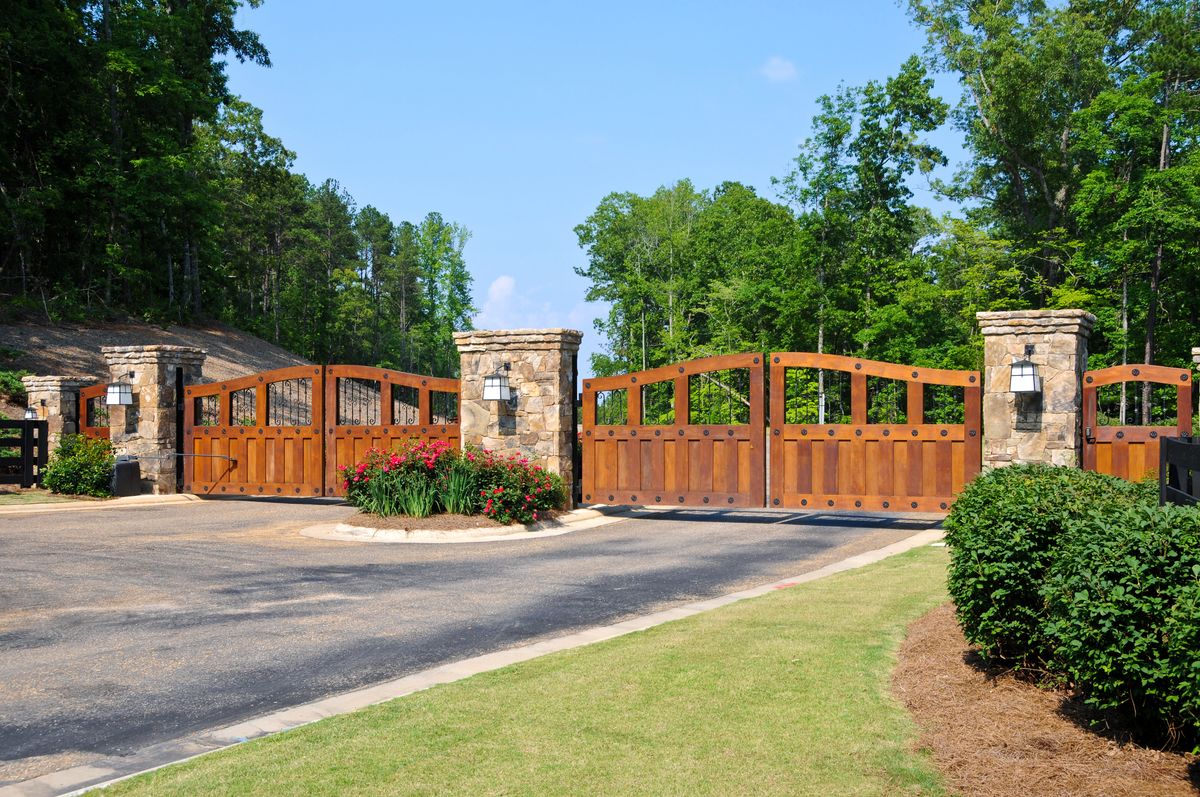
pixel 1179 470
pixel 24 448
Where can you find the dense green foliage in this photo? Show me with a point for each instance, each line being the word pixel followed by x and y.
pixel 420 478
pixel 1004 532
pixel 1081 122
pixel 132 183
pixel 81 466
pixel 1086 578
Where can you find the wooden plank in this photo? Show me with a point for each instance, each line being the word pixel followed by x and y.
pixel 943 482
pixel 1120 459
pixel 830 477
pixel 1138 460
pixel 652 464
pixel 747 463
pixel 883 465
pixel 929 463
pixel 700 466
pixel 1090 460
pixel 916 467
pixel 802 473
pixel 724 467
pixel 858 398
pixel 972 434
pixel 915 403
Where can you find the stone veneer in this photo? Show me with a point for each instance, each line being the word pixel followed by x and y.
pixel 149 431
pixel 541 373
pixel 61 410
pixel 1042 427
pixel 1196 356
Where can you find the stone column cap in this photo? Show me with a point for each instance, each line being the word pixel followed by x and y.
pixel 478 340
pixel 33 383
pixel 152 354
pixel 1016 322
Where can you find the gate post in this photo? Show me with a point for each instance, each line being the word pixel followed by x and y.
pixel 61 410
pixel 541 374
pixel 1042 427
pixel 147 428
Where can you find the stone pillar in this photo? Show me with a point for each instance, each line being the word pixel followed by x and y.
pixel 1196 357
pixel 1043 427
pixel 540 427
pixel 147 429
pixel 61 408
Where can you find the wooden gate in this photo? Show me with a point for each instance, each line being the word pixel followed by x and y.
pixel 379 408
pixel 256 435
pixel 285 432
pixel 93 413
pixel 849 446
pixel 691 433
pixel 1131 451
pixel 24 448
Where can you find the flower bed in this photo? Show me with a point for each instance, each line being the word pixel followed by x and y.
pixel 421 478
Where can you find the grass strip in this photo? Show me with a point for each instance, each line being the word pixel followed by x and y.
pixel 30 497
pixel 783 694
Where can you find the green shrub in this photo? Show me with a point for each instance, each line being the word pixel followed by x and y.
pixel 81 466
pixel 403 481
pixel 11 386
pixel 1003 532
pixel 513 490
pixel 1122 614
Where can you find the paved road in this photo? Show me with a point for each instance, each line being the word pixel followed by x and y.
pixel 121 628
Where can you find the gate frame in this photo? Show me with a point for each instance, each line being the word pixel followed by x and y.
pixel 1122 437
pixel 34 445
pixel 859 431
pixel 85 394
pixel 681 431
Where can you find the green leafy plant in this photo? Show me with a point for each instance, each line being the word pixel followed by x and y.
pixel 513 490
pixel 460 494
pixel 1004 532
pixel 81 466
pixel 1121 603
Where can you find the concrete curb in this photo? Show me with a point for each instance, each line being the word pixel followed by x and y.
pixel 576 520
pixel 129 502
pixel 104 772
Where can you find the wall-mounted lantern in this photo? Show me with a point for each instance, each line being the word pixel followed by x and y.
pixel 1025 377
pixel 31 414
pixel 496 387
pixel 119 393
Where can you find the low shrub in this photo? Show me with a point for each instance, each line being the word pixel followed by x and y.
pixel 1003 533
pixel 513 490
pixel 81 466
pixel 1121 603
pixel 420 478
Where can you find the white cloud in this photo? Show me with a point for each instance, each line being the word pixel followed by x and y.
pixel 778 70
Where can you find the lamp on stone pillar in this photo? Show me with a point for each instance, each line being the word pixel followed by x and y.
pixel 31 414
pixel 496 386
pixel 1025 377
pixel 119 393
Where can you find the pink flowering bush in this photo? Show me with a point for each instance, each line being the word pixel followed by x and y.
pixel 513 490
pixel 422 477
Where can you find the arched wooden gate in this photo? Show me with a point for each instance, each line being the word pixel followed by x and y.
pixel 285 432
pixel 845 433
pixel 1127 450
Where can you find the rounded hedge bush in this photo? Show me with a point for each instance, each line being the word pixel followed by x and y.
pixel 1122 612
pixel 81 466
pixel 1003 532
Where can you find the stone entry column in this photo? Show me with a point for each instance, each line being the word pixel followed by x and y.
pixel 148 429
pixel 61 411
pixel 540 362
pixel 1043 427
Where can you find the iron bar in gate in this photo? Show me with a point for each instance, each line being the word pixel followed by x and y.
pixel 1179 470
pixel 30 441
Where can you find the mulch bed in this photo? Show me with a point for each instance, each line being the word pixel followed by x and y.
pixel 443 522
pixel 993 735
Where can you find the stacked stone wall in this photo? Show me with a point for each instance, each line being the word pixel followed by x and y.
pixel 541 373
pixel 1042 427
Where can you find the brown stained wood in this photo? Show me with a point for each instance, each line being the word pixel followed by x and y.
pixel 846 468
pixel 1131 452
pixel 915 403
pixel 916 467
pixel 929 471
pixel 884 463
pixel 858 398
pixel 835 362
pixel 817 469
pixel 96 391
pixel 802 474
pixel 695 464
pixel 627 461
pixel 830 476
pixel 900 468
pixel 957 467
pixel 858 466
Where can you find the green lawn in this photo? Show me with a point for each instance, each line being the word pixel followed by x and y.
pixel 30 497
pixel 784 694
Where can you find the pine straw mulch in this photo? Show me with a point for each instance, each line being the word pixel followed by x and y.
pixel 992 735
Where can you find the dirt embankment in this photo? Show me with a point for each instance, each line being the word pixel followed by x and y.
pixel 74 350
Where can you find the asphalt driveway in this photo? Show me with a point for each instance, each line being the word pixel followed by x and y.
pixel 124 627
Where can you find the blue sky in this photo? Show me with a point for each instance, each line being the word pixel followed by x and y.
pixel 516 119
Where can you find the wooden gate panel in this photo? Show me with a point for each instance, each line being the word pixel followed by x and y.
pixel 680 462
pixel 347 443
pixel 859 465
pixel 1131 452
pixel 92 411
pixel 254 454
